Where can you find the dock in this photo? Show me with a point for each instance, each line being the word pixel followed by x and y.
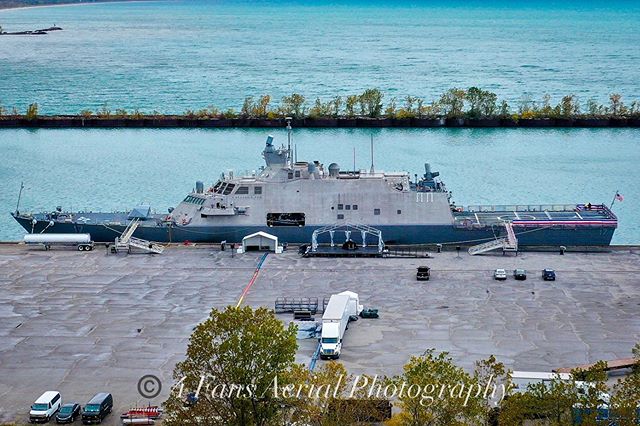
pixel 67 315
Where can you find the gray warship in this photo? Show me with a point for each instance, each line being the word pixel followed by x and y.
pixel 290 199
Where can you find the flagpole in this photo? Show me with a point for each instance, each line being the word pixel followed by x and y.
pixel 614 199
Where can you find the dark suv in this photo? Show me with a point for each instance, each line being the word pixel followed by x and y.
pixel 97 408
pixel 520 274
pixel 548 275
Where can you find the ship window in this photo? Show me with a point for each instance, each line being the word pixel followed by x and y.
pixel 297 173
pixel 347 207
pixel 355 207
pixel 217 186
pixel 340 216
pixel 376 212
pixel 194 200
pixel 290 175
pixel 399 211
pixel 340 206
pixel 229 188
pixel 257 190
pixel 243 190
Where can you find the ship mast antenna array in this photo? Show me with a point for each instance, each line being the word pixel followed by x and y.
pixel 372 168
pixel 288 120
pixel 19 196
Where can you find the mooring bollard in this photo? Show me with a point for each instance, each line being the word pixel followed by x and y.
pixel 439 248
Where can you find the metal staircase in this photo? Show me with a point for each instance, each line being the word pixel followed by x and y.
pixel 127 241
pixel 129 230
pixel 508 243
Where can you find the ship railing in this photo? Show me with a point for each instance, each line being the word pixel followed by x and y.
pixel 521 208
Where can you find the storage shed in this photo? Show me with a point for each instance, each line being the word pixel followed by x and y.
pixel 260 241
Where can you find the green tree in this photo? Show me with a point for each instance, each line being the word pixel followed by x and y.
pixel 594 109
pixel 262 106
pixel 441 409
pixel 409 109
pixel 391 109
pixel 505 109
pixel 452 102
pixel 350 106
pixel 592 392
pixel 336 106
pixel 371 103
pixel 482 103
pixel 248 107
pixel 494 377
pixel 617 106
pixel 238 354
pixel 294 105
pixel 625 401
pixel 321 109
pixel 552 403
pixel 569 106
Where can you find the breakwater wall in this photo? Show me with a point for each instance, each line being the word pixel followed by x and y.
pixel 171 121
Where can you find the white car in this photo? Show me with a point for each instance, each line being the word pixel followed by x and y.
pixel 500 274
pixel 45 407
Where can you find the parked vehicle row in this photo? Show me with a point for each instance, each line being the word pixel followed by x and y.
pixel 521 274
pixel 424 273
pixel 49 405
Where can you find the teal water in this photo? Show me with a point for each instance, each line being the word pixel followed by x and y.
pixel 175 55
pixel 117 169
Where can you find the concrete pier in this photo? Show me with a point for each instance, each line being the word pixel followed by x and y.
pixel 83 322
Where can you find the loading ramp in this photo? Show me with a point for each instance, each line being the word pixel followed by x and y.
pixel 127 242
pixel 507 244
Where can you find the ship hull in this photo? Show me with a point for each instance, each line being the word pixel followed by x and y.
pixel 583 235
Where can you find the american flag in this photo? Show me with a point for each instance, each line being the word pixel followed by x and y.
pixel 619 197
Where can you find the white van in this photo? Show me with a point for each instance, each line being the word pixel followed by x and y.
pixel 45 407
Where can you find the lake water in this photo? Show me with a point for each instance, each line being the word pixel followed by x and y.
pixel 171 56
pixel 117 169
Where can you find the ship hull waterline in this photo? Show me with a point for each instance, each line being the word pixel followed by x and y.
pixel 391 234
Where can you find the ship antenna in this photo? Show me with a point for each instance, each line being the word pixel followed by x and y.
pixel 354 159
pixel 372 168
pixel 288 119
pixel 19 196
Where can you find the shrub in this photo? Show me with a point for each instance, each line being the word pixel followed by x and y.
pixel 32 111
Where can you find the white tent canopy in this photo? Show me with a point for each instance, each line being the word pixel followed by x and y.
pixel 260 241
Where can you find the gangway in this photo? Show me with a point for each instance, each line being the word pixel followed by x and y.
pixel 128 242
pixel 508 243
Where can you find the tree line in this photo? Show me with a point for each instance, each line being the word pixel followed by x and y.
pixel 471 103
pixel 239 346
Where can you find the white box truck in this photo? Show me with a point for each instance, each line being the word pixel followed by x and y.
pixel 335 321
